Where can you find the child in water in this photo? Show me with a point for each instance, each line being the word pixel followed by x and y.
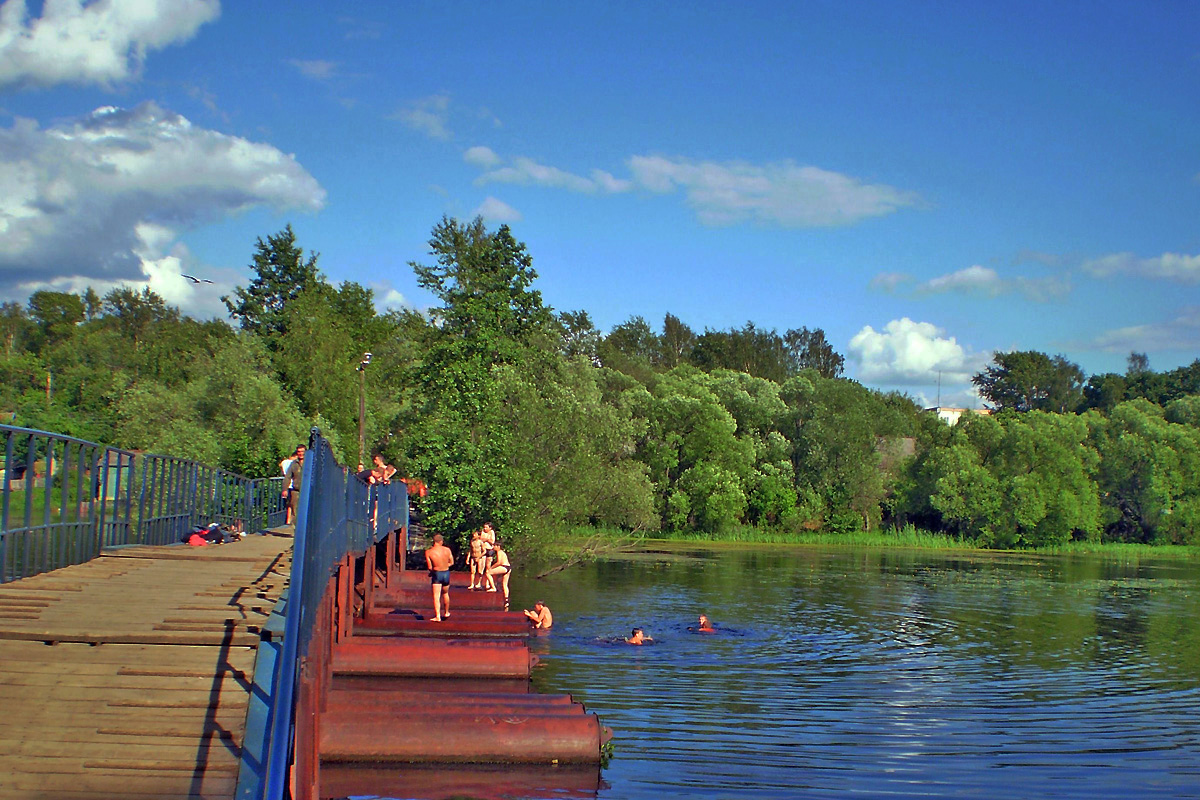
pixel 638 636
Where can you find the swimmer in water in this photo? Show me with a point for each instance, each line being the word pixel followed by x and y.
pixel 704 626
pixel 638 636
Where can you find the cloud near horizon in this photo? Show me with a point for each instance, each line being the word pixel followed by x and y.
pixel 100 43
pixel 1181 333
pixel 1168 266
pixel 908 353
pixel 986 281
pixel 101 200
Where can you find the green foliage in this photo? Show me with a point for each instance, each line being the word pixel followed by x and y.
pixel 462 441
pixel 1031 381
pixel 281 274
pixel 1148 474
pixel 504 409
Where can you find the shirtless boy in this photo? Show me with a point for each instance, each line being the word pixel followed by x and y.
pixel 439 559
pixel 638 637
pixel 540 617
pixel 476 561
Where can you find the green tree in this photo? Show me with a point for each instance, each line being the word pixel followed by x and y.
pixel 580 337
pixel 1028 380
pixel 134 312
pixel 15 327
pixel 1148 474
pixel 56 313
pixel 489 316
pixel 809 350
pixel 748 349
pixel 676 342
pixel 281 274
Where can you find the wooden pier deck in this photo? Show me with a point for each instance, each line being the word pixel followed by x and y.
pixel 129 676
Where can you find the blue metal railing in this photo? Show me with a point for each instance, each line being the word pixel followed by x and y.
pixel 339 515
pixel 179 495
pixel 63 500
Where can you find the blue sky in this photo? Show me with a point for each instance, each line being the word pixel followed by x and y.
pixel 927 182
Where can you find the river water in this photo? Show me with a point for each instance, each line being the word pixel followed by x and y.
pixel 882 673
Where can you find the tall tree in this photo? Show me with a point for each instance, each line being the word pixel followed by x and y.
pixel 748 349
pixel 281 273
pixel 489 315
pixel 1026 380
pixel 135 312
pixel 13 325
pixel 56 313
pixel 809 350
pixel 677 341
pixel 580 336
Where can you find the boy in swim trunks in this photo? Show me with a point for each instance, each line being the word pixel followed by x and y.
pixel 439 559
pixel 478 576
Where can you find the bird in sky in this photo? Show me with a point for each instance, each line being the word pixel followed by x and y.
pixel 196 280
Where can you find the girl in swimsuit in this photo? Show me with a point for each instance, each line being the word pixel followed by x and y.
pixel 503 568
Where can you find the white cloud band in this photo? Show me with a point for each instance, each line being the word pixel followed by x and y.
pixel 102 43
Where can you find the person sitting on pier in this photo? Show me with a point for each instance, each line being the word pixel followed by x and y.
pixel 638 636
pixel 540 617
pixel 439 559
pixel 503 568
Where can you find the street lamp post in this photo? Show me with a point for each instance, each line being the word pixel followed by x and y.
pixel 362 405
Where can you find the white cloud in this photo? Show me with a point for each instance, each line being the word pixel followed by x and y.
pixel 494 210
pixel 1180 333
pixel 890 282
pixel 986 281
pixel 782 193
pixel 481 156
pixel 318 70
pixel 527 171
pixel 1169 266
pixel 388 298
pixel 102 43
pixel 911 353
pixel 971 279
pixel 607 183
pixel 428 115
pixel 103 199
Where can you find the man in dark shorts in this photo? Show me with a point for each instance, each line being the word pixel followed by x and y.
pixel 439 559
pixel 292 480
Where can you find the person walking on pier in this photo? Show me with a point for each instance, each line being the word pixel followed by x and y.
pixel 439 560
pixel 540 617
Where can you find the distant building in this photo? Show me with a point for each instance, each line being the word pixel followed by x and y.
pixel 951 416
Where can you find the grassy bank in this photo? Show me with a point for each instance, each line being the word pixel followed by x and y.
pixel 599 540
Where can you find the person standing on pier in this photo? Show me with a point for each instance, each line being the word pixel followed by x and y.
pixel 439 560
pixel 291 481
pixel 475 560
pixel 488 534
pixel 502 568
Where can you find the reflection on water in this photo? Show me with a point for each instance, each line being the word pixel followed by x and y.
pixel 877 673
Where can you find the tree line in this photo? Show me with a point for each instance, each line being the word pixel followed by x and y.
pixel 536 420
